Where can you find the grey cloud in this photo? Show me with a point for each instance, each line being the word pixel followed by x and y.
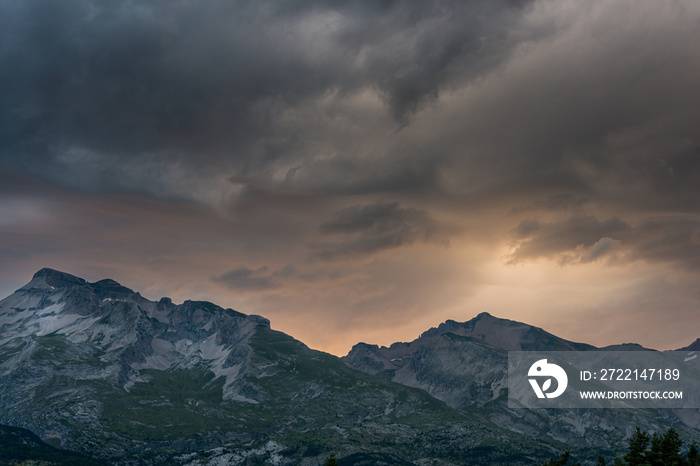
pixel 673 239
pixel 367 229
pixel 554 202
pixel 568 105
pixel 451 41
pixel 602 247
pixel 285 272
pixel 261 279
pixel 560 239
pixel 379 216
pixel 527 228
pixel 584 238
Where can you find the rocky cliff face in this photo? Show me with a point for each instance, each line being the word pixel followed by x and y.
pixel 466 365
pixel 461 371
pixel 463 364
pixel 97 368
pixel 62 316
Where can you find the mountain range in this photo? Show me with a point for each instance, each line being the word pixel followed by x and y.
pixel 98 369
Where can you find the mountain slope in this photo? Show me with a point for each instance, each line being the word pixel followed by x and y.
pixel 466 365
pixel 694 346
pixel 20 446
pixel 99 369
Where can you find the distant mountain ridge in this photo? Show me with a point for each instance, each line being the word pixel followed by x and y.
pixel 97 368
pixel 465 364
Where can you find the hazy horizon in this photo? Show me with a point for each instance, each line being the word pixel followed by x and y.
pixel 364 171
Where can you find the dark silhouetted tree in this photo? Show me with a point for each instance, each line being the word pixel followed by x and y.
pixel 658 450
pixel 693 456
pixel 654 456
pixel 671 444
pixel 638 450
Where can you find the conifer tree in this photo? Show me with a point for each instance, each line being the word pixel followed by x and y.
pixel 692 458
pixel 331 461
pixel 671 444
pixel 637 454
pixel 654 456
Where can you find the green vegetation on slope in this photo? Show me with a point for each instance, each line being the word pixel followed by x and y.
pixel 19 447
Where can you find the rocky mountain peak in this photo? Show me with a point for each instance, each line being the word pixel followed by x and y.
pixel 50 278
pixel 109 288
pixel 506 334
pixel 485 338
pixel 47 272
pixel 131 333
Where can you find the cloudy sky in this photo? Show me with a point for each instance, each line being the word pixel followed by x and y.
pixel 362 171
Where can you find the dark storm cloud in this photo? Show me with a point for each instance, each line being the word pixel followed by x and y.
pixel 614 110
pixel 367 229
pixel 163 98
pixel 123 95
pixel 168 99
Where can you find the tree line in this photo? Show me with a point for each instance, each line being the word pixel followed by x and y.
pixel 646 450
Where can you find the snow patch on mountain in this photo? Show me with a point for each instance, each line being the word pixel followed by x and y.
pixel 124 330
